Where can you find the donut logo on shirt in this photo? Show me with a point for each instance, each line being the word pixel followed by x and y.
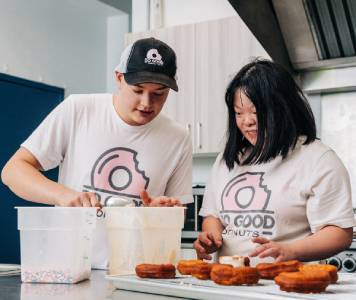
pixel 245 192
pixel 244 202
pixel 116 173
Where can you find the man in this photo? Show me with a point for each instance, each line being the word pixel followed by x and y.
pixel 110 145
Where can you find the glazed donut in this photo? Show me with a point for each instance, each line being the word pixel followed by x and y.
pixel 332 270
pixel 202 271
pixel 162 271
pixel 303 282
pixel 271 270
pixel 246 275
pixel 185 267
pixel 228 275
pixel 222 274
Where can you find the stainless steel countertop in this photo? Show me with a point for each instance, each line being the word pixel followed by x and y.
pixel 97 288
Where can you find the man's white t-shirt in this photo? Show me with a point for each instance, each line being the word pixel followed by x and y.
pixel 282 200
pixel 98 152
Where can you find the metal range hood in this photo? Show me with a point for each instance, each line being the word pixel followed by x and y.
pixel 303 34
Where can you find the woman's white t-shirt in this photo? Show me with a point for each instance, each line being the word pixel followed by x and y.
pixel 282 200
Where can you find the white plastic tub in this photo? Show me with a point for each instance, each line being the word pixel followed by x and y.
pixel 143 235
pixel 56 243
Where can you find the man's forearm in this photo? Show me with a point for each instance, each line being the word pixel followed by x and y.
pixel 29 183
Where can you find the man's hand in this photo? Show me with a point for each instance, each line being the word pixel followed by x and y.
pixel 77 199
pixel 158 201
pixel 207 243
pixel 267 248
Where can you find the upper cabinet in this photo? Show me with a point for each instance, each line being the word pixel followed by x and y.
pixel 209 54
pixel 222 48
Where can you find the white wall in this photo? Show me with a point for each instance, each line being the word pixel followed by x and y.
pixel 179 12
pixel 62 43
pixel 140 15
pixel 117 27
pixel 194 11
pixel 201 169
pixel 332 94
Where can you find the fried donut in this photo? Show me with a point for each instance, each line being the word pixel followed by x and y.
pixel 235 261
pixel 245 275
pixel 271 270
pixel 202 271
pixel 185 267
pixel 222 274
pixel 303 282
pixel 162 271
pixel 332 270
pixel 228 275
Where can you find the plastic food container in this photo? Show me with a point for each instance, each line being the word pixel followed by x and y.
pixel 56 243
pixel 143 235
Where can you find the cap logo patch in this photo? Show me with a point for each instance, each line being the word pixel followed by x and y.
pixel 153 57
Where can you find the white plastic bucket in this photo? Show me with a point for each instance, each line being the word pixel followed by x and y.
pixel 143 235
pixel 56 243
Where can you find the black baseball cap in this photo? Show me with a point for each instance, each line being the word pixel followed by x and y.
pixel 149 60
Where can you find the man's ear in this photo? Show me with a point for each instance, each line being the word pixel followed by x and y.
pixel 119 77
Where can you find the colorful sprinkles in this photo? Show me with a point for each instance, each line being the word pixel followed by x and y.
pixel 54 276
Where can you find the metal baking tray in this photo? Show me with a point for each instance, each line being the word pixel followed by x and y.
pixel 192 288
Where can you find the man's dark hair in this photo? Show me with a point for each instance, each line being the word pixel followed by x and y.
pixel 283 113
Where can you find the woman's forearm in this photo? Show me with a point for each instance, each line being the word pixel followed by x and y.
pixel 212 224
pixel 325 243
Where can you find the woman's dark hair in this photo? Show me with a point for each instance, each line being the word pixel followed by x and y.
pixel 283 114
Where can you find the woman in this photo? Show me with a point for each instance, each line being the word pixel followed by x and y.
pixel 276 190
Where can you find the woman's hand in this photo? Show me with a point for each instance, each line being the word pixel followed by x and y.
pixel 207 243
pixel 267 248
pixel 158 201
pixel 324 243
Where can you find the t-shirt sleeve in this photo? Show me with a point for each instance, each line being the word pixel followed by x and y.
pixel 180 183
pixel 49 141
pixel 330 194
pixel 209 206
